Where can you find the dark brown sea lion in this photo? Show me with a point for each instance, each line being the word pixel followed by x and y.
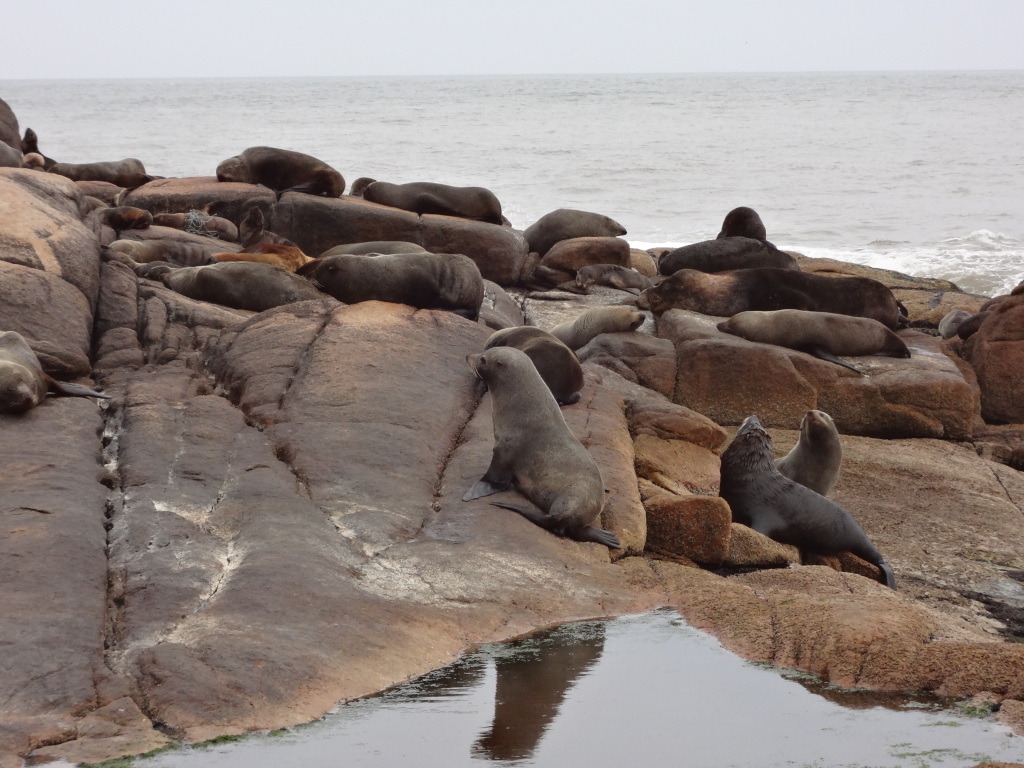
pixel 535 453
pixel 10 133
pixel 11 157
pixel 173 251
pixel 240 285
pixel 951 321
pixel 448 281
pixel 764 499
pixel 822 334
pixel 743 222
pixel 251 230
pixel 285 256
pixel 724 254
pixel 567 223
pixel 359 186
pixel 199 223
pixel 612 276
pixel 576 334
pixel 767 289
pixel 475 203
pixel 125 217
pixel 374 246
pixel 282 170
pixel 30 146
pixel 128 173
pixel 23 385
pixel 555 362
pixel 815 460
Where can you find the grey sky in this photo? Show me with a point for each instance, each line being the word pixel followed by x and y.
pixel 257 38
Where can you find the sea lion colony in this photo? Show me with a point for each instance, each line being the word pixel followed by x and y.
pixel 266 270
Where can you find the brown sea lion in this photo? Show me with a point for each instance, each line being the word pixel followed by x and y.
pixel 475 203
pixel 743 222
pixel 11 157
pixel 125 217
pixel 359 186
pixel 128 173
pixel 767 289
pixel 448 281
pixel 199 223
pixel 535 453
pixel 285 256
pixel 240 285
pixel 282 170
pixel 251 230
pixel 555 362
pixel 34 161
pixel 172 251
pixel 612 276
pixel 822 334
pixel 576 334
pixel 374 246
pixel 30 146
pixel 951 321
pixel 725 254
pixel 23 385
pixel 567 223
pixel 815 460
pixel 764 499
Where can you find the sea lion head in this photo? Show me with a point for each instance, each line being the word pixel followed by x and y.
pixel 232 169
pixel 492 363
pixel 816 426
pixel 18 392
pixel 751 449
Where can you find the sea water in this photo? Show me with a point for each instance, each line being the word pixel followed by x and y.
pixel 919 172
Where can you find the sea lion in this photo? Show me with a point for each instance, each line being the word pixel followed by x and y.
pixel 10 133
pixel 448 281
pixel 23 385
pixel 251 230
pixel 172 251
pixel 285 256
pixel 30 146
pixel 764 499
pixel 11 157
pixel 815 460
pixel 726 253
pixel 359 186
pixel 535 452
pixel 951 321
pixel 125 217
pixel 567 223
pixel 474 203
pixel 612 276
pixel 240 285
pixel 768 289
pixel 577 333
pixel 199 222
pixel 282 170
pixel 374 246
pixel 822 334
pixel 743 222
pixel 128 173
pixel 555 362
pixel 34 161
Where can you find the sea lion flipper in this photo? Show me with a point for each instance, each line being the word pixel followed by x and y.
pixel 823 354
pixel 598 535
pixel 890 578
pixel 483 488
pixel 72 390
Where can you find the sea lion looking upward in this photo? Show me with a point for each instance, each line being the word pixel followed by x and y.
pixel 743 222
pixel 23 385
pixel 764 499
pixel 815 460
pixel 535 452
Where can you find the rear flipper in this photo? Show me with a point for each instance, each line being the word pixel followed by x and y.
pixel 599 535
pixel 824 354
pixel 548 523
pixel 72 390
pixel 890 579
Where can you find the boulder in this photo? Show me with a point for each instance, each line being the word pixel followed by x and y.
pixel 639 357
pixel 226 199
pixel 694 527
pixel 996 353
pixel 750 549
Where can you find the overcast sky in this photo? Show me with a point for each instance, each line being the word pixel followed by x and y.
pixel 258 38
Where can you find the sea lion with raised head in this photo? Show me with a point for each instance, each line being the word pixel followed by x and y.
pixel 282 170
pixel 128 173
pixel 240 285
pixel 815 460
pixel 767 289
pixel 555 362
pixel 822 334
pixel 23 384
pixel 612 276
pixel 743 222
pixel 474 203
pixel 576 334
pixel 251 230
pixel 535 453
pixel 764 499
pixel 725 254
pixel 447 281
pixel 30 146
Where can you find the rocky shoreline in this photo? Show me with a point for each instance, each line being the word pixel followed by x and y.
pixel 267 517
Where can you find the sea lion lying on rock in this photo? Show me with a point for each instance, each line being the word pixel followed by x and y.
pixel 764 499
pixel 128 173
pixel 555 362
pixel 125 217
pixel 592 322
pixel 282 170
pixel 172 251
pixel 566 224
pixel 284 256
pixel 374 246
pixel 199 222
pixel 475 203
pixel 535 453
pixel 725 254
pixel 239 285
pixel 23 384
pixel 612 276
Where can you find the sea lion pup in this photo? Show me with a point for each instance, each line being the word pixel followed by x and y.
pixel 822 334
pixel 284 256
pixel 30 146
pixel 172 251
pixel 374 246
pixel 198 222
pixel 23 385
pixel 726 253
pixel 34 161
pixel 448 281
pixel 251 230
pixel 125 217
pixel 535 452
pixel 764 499
pixel 567 223
pixel 359 186
pixel 951 321
pixel 769 289
pixel 576 334
pixel 612 276
pixel 283 171
pixel 815 460
pixel 128 173
pixel 743 222
pixel 474 203
pixel 555 362
pixel 240 285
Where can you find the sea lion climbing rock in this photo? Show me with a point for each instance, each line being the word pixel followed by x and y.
pixel 23 385
pixel 555 362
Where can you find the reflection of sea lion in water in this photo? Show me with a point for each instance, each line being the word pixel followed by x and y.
pixel 447 281
pixel 535 452
pixel 240 285
pixel 283 171
pixel 555 362
pixel 576 334
pixel 724 254
pixel 815 460
pixel 475 203
pixel 613 276
pixel 743 222
pixel 23 385
pixel 822 334
pixel 764 499
pixel 725 295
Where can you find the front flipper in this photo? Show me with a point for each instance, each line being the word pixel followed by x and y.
pixel 483 488
pixel 496 479
pixel 72 390
pixel 823 354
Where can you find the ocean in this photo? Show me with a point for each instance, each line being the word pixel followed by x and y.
pixel 922 172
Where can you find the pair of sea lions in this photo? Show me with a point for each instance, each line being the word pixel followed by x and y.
pixel 23 384
pixel 555 362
